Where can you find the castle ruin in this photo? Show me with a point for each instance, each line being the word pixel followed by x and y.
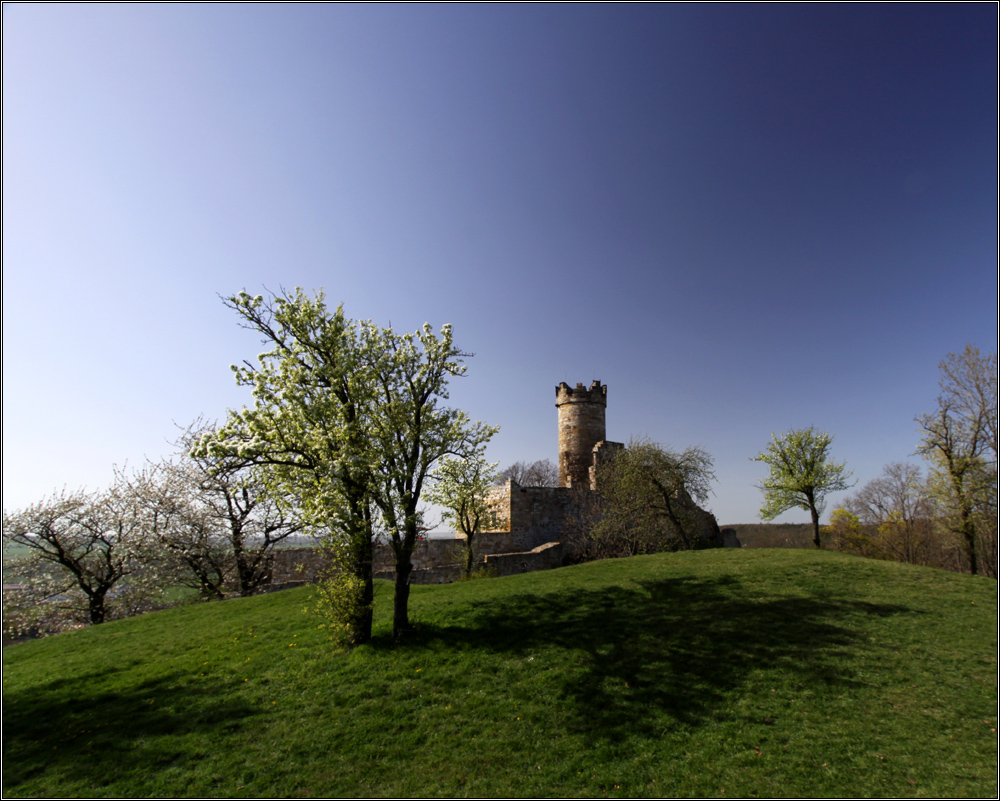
pixel 527 524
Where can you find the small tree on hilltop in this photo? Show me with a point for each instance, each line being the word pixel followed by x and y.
pixel 184 528
pixel 218 515
pixel 848 535
pixel 253 512
pixel 461 486
pixel 801 475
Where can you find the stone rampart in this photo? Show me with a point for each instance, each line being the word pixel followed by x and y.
pixel 426 554
pixel 544 557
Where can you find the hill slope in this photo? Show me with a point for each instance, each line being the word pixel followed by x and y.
pixel 750 672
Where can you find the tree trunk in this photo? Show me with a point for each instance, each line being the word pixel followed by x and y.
pixel 363 626
pixel 666 494
pixel 96 607
pixel 815 522
pixel 969 533
pixel 468 554
pixel 401 599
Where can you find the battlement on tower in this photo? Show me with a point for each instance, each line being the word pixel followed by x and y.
pixel 596 393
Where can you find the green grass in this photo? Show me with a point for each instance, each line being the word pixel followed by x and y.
pixel 764 673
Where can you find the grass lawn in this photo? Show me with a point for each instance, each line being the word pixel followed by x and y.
pixel 748 672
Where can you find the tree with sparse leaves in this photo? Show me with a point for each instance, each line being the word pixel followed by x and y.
pixel 183 527
pixel 801 475
pixel 218 515
pixel 891 517
pixel 541 473
pixel 960 441
pixel 646 502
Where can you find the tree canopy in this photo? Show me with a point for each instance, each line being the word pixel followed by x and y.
pixel 801 474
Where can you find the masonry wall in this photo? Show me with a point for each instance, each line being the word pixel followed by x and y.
pixel 544 557
pixel 525 517
pixel 426 554
pixel 530 524
pixel 293 566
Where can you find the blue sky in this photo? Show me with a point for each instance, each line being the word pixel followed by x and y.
pixel 742 219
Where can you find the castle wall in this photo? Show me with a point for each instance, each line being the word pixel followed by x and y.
pixel 525 517
pixel 527 523
pixel 544 557
pixel 293 566
pixel 426 554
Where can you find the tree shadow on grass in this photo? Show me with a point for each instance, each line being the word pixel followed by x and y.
pixel 665 652
pixel 65 733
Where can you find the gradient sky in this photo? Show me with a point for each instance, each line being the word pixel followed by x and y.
pixel 742 219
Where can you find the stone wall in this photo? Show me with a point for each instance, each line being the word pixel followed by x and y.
pixel 544 557
pixel 293 566
pixel 535 515
pixel 434 562
pixel 426 553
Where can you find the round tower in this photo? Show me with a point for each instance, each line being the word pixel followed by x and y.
pixel 581 427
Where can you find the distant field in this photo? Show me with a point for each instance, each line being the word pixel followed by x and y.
pixel 723 673
pixel 11 551
pixel 11 555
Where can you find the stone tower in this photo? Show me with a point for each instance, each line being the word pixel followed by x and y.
pixel 581 427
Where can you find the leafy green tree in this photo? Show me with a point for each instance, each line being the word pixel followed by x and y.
pixel 410 431
pixel 801 475
pixel 848 534
pixel 314 397
pixel 461 486
pixel 960 441
pixel 348 417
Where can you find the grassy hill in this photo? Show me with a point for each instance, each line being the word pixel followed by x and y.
pixel 719 673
